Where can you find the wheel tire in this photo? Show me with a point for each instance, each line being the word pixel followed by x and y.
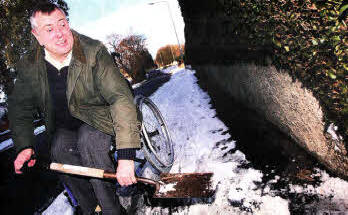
pixel 157 143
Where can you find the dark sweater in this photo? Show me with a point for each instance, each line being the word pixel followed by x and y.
pixel 57 82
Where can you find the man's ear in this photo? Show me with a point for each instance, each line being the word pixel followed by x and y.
pixel 36 35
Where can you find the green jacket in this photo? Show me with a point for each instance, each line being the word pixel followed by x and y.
pixel 96 92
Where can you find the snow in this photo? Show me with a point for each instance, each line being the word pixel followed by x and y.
pixel 6 145
pixel 333 189
pixel 9 143
pixel 3 96
pixel 39 130
pixel 196 134
pixel 3 110
pixel 4 132
pixel 59 206
pixel 167 187
pixel 202 144
pixel 332 131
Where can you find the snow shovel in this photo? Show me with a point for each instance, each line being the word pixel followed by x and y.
pixel 170 185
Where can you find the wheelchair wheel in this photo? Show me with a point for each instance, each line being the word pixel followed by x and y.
pixel 157 143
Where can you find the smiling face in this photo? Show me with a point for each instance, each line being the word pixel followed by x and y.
pixel 53 32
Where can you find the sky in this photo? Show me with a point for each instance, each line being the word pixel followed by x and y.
pixel 100 18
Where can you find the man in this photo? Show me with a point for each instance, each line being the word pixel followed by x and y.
pixel 85 101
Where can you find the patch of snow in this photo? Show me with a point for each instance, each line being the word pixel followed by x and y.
pixel 9 143
pixel 39 130
pixel 167 187
pixel 60 206
pixel 273 205
pixel 329 187
pixel 4 132
pixel 3 110
pixel 6 145
pixel 332 131
pixel 3 96
pixel 188 67
pixel 332 194
pixel 169 69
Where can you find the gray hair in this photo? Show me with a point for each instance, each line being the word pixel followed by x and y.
pixel 47 8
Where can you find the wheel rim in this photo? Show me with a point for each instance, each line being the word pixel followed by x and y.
pixel 156 134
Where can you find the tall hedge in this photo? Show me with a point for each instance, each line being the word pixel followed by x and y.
pixel 306 38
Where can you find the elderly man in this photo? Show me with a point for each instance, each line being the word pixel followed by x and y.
pixel 85 101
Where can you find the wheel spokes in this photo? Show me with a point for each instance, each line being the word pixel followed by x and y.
pixel 157 139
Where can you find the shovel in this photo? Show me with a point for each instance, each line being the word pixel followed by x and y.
pixel 170 185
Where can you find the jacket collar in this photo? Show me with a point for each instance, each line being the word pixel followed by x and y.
pixel 77 49
pixel 77 52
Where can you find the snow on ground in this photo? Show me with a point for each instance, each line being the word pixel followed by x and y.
pixel 3 96
pixel 9 143
pixel 3 110
pixel 201 145
pixel 60 206
pixel 201 141
pixel 332 129
pixel 171 69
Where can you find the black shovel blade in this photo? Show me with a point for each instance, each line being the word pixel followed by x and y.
pixel 185 185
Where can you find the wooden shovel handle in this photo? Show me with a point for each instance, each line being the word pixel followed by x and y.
pixel 147 181
pixel 139 179
pixel 77 170
pixel 93 172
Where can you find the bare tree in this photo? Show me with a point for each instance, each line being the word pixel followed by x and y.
pixel 131 55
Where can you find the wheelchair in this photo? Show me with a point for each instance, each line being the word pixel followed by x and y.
pixel 156 143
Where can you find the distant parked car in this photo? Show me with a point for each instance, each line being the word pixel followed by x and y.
pixel 154 73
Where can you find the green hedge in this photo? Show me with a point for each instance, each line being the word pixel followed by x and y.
pixel 309 40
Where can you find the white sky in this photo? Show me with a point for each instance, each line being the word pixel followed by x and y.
pixel 98 19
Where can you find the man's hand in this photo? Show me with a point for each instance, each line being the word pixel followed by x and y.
pixel 125 172
pixel 22 157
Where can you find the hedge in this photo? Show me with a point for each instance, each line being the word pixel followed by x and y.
pixel 309 41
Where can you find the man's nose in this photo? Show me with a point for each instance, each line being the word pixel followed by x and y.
pixel 59 33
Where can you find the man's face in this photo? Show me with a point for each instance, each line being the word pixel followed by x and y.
pixel 53 32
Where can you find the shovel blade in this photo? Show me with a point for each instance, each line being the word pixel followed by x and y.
pixel 185 185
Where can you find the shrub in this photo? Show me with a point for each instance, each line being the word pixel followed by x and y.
pixel 308 40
